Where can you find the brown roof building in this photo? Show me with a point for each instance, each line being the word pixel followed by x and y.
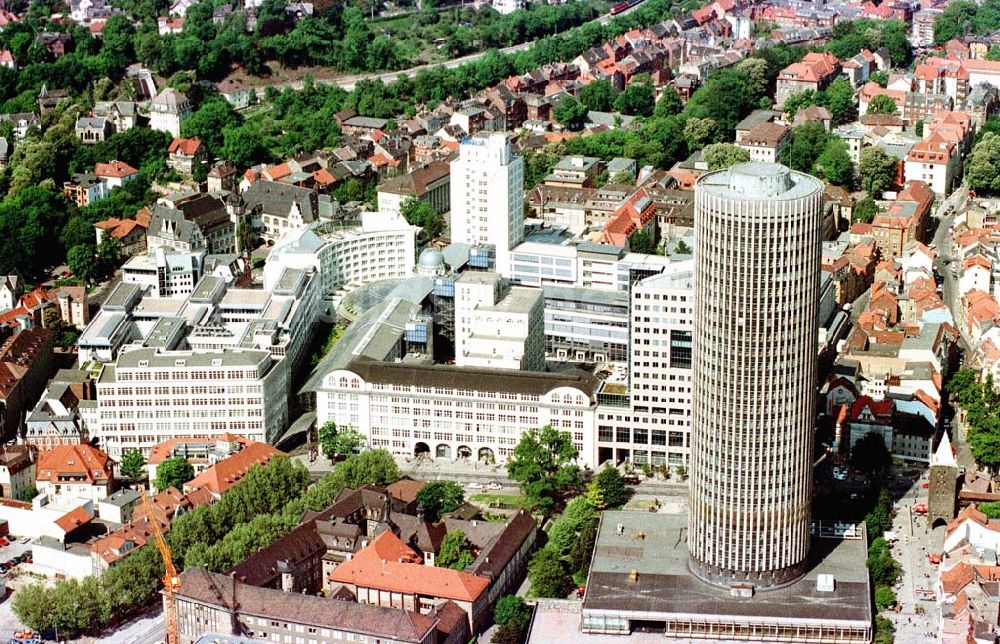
pixel 25 366
pixel 211 602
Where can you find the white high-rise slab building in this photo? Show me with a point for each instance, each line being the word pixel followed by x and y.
pixel 487 196
pixel 757 275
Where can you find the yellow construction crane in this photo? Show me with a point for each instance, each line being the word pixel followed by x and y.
pixel 171 582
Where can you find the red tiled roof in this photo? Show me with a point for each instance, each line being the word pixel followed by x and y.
pixel 79 460
pixel 73 519
pixel 228 472
pixel 881 408
pixel 186 147
pixel 163 451
pixel 388 564
pixel 114 170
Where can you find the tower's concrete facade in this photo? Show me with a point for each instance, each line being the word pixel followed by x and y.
pixel 757 275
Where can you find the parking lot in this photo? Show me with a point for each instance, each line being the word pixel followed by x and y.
pixel 13 578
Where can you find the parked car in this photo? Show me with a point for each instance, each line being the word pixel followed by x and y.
pixel 494 485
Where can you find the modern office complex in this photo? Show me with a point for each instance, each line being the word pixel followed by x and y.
pixel 746 564
pixel 346 256
pixel 487 196
pixel 757 271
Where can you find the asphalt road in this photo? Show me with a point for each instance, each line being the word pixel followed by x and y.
pixel 947 255
pixel 349 82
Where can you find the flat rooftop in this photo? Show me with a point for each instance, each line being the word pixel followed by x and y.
pixel 655 547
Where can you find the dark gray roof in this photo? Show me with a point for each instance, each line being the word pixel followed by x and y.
pixel 451 376
pixel 210 588
pixel 276 199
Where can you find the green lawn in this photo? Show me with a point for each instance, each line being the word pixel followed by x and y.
pixel 488 499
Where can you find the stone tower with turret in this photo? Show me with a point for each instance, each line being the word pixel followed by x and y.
pixel 942 492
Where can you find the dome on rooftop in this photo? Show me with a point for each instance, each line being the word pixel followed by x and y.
pixel 431 262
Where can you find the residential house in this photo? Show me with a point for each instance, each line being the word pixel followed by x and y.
pixel 237 94
pixel 7 59
pixel 115 174
pixel 11 290
pixel 209 214
pixel 60 417
pixel 430 184
pixel 22 122
pixel 275 208
pixel 935 161
pixel 168 110
pixel 73 307
pixel 358 125
pixel 222 177
pixel 906 220
pixel 130 233
pixel 56 44
pixel 84 189
pixel 17 471
pixel 232 461
pixel 814 72
pixel 120 115
pixel 184 155
pixel 92 129
pixel 765 141
pixel 25 366
pixel 70 473
pixel 204 604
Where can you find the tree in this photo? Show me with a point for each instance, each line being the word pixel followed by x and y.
pixel 570 113
pixel 883 631
pixel 133 464
pixel 642 242
pixel 456 552
pixel 583 548
pixel 638 99
pixel 243 146
pixel 720 156
pixel 883 568
pixel 681 248
pixel 28 493
pixel 612 487
pixel 669 104
pixel 882 104
pixel 835 164
pixel 870 455
pixel 877 170
pixel 982 168
pixel 173 472
pixel 372 467
pixel 807 143
pixel 209 122
pixel 508 608
pixel 699 132
pixel 547 575
pixel 884 598
pixel 598 95
pixel 336 442
pixel 439 497
pixel 957 19
pixel 865 211
pixel 543 465
pixel 879 77
pixel 420 213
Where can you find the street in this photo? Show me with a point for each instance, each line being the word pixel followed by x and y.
pixel 917 620
pixel 944 247
pixel 349 82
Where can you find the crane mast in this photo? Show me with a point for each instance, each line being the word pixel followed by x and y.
pixel 171 582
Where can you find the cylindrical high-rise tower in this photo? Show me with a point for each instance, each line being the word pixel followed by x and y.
pixel 757 271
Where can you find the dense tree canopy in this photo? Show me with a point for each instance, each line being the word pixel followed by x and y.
pixel 439 497
pixel 173 472
pixel 720 156
pixel 543 464
pixel 982 168
pixel 877 170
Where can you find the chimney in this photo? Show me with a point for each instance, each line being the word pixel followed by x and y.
pixel 634 576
